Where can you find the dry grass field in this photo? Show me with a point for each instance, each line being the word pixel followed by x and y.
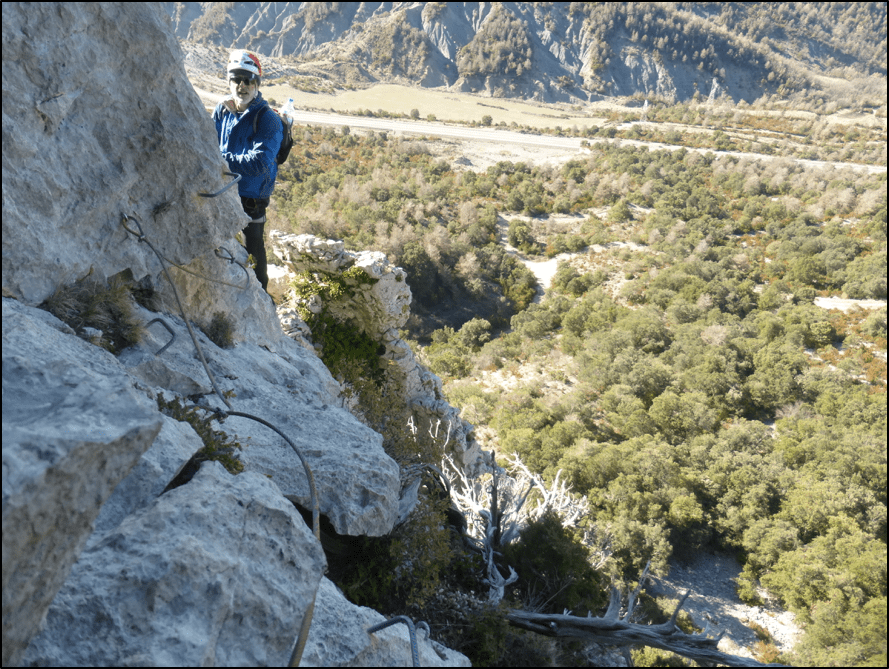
pixel 444 104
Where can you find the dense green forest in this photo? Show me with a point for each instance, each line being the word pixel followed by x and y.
pixel 678 369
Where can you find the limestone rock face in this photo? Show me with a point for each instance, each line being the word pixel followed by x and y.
pixel 358 484
pixel 231 290
pixel 99 119
pixel 218 572
pixel 378 302
pixel 73 427
pixel 379 298
pixel 170 451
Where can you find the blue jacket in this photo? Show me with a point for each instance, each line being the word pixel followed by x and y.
pixel 253 157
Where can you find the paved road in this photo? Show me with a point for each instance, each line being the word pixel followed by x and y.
pixel 512 137
pixel 507 136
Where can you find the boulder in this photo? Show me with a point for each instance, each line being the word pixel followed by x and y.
pixel 173 447
pixel 218 572
pixel 73 427
pixel 102 121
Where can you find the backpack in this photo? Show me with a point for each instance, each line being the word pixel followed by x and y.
pixel 286 143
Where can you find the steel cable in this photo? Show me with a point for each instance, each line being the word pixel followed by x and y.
pixel 296 656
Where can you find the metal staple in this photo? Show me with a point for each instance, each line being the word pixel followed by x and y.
pixel 415 654
pixel 169 329
pixel 226 187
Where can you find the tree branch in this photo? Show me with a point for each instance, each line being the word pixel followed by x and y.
pixel 611 629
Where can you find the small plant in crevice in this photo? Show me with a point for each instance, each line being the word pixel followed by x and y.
pixel 217 444
pixel 347 351
pixel 220 330
pixel 99 311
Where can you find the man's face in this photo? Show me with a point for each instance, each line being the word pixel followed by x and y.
pixel 243 89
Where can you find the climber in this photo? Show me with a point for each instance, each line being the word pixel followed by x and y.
pixel 250 148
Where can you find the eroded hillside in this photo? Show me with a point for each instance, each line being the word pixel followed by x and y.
pixel 563 51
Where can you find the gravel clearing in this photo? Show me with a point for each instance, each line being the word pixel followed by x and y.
pixel 846 305
pixel 710 578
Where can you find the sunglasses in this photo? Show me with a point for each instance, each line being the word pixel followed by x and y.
pixel 241 80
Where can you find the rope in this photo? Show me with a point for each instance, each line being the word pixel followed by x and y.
pixel 316 525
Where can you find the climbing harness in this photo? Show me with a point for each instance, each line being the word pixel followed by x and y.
pixel 221 414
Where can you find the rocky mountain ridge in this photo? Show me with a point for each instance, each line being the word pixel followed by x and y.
pixel 105 558
pixel 577 52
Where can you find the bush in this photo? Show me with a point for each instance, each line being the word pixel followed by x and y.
pixel 217 444
pixel 554 569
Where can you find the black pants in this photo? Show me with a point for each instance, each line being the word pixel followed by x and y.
pixel 253 237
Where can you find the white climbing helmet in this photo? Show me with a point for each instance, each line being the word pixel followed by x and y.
pixel 244 62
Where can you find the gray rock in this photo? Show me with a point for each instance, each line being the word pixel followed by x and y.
pixel 358 484
pixel 73 427
pixel 218 572
pixel 378 300
pixel 105 123
pixel 213 284
pixel 338 638
pixel 379 308
pixel 173 447
pixel 155 372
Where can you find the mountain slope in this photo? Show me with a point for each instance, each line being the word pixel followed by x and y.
pixel 560 51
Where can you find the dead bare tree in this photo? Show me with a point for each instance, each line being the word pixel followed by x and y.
pixel 496 512
pixel 613 629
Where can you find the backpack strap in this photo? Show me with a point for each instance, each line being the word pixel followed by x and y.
pixel 257 117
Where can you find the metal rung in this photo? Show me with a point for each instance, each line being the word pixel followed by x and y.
pixel 216 194
pixel 169 329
